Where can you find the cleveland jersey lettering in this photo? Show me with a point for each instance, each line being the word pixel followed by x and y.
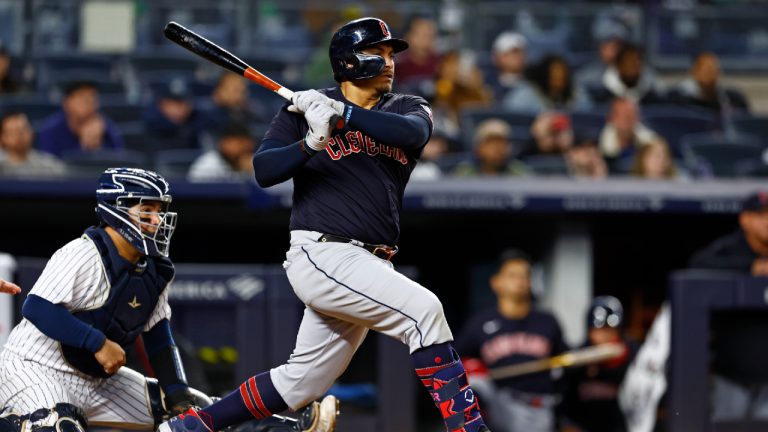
pixel 339 191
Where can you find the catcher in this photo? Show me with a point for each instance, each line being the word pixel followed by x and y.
pixel 62 367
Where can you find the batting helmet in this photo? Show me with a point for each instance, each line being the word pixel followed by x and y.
pixel 122 188
pixel 605 311
pixel 347 62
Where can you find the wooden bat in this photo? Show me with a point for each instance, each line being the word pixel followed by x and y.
pixel 208 50
pixel 579 357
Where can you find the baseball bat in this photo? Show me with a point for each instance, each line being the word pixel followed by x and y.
pixel 208 50
pixel 578 357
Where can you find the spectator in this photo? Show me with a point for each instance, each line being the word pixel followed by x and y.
pixel 427 168
pixel 18 157
pixel 630 78
pixel 654 161
pixel 585 161
pixel 171 119
pixel 492 151
pixel 548 86
pixel 622 135
pixel 509 60
pixel 230 160
pixel 420 61
pixel 552 133
pixel 704 89
pixel 229 103
pixel 513 332
pixel 590 403
pixel 459 85
pixel 610 30
pixel 7 82
pixel 740 380
pixel 79 126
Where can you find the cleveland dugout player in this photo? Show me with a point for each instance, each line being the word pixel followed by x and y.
pixel 61 368
pixel 348 193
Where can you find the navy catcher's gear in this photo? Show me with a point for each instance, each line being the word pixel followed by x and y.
pixel 63 417
pixel 132 298
pixel 346 60
pixel 119 190
pixel 605 311
pixel 156 401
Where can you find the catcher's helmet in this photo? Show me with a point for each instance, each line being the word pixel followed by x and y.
pixel 347 62
pixel 122 188
pixel 605 311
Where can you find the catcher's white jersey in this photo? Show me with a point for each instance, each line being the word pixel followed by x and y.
pixel 33 371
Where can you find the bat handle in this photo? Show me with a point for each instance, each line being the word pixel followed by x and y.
pixel 337 122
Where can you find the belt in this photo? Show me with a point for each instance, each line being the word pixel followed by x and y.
pixel 381 251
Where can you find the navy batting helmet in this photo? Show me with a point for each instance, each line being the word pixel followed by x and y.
pixel 122 188
pixel 347 62
pixel 605 311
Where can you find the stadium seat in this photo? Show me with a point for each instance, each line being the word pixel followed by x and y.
pixel 757 126
pixel 547 165
pixel 174 164
pixel 89 164
pixel 123 113
pixel 721 157
pixel 674 125
pixel 36 109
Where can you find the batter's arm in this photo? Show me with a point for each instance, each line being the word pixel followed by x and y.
pixel 276 162
pixel 408 132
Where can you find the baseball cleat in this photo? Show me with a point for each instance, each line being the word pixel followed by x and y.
pixel 189 421
pixel 320 416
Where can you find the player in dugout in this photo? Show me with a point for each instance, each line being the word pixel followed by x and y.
pixel 61 369
pixel 348 194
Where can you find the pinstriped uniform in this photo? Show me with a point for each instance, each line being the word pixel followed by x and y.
pixel 34 373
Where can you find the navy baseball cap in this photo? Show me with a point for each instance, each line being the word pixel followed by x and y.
pixel 756 201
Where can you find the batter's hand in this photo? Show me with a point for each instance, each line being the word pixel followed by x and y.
pixel 303 100
pixel 8 287
pixel 318 118
pixel 111 356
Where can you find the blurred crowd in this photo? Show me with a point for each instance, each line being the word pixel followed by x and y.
pixel 497 113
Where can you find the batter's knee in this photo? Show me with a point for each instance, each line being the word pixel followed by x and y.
pixel 432 326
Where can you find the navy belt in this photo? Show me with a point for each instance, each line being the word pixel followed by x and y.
pixel 381 251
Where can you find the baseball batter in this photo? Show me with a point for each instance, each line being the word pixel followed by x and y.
pixel 61 368
pixel 348 192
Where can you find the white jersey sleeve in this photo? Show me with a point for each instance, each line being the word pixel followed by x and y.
pixel 74 277
pixel 162 310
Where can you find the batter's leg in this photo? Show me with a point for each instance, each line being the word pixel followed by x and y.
pixel 324 348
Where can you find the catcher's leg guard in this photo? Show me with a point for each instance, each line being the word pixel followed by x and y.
pixel 156 401
pixel 63 417
pixel 10 421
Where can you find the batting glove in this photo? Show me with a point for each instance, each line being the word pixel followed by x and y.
pixel 302 100
pixel 318 118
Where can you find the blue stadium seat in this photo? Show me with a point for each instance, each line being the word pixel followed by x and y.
pixel 757 126
pixel 123 113
pixel 708 154
pixel 174 164
pixel 547 165
pixel 37 109
pixel 89 164
pixel 673 126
